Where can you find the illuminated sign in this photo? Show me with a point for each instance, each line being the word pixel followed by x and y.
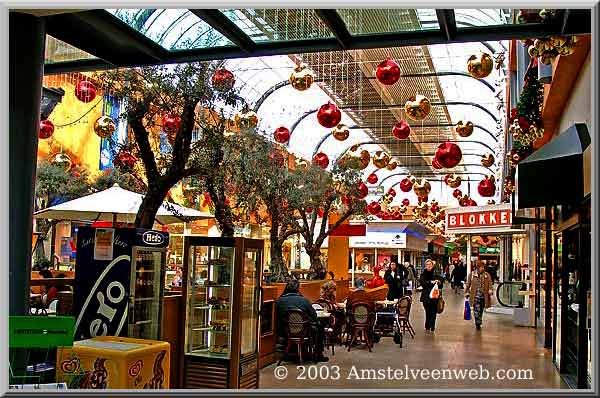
pixel 479 219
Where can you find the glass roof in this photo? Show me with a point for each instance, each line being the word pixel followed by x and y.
pixel 368 21
pixel 173 29
pixel 59 51
pixel 278 24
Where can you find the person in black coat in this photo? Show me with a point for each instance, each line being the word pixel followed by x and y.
pixel 429 278
pixel 394 278
pixel 291 298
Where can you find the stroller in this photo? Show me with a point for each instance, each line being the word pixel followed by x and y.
pixel 387 323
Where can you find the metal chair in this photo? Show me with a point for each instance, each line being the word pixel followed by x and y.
pixel 403 315
pixel 298 331
pixel 331 335
pixel 361 322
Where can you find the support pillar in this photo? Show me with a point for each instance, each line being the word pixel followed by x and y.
pixel 26 68
pixel 548 281
pixel 468 255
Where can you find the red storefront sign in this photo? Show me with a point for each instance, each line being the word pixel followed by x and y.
pixel 479 219
pixel 349 230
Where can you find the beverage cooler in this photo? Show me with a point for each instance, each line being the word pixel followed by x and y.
pixel 119 279
pixel 222 290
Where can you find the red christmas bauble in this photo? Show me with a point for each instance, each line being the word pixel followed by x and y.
pixel 457 193
pixel 320 213
pixel 321 160
pixel 486 187
pixel 46 129
pixel 276 158
pixel 401 130
pixel 406 184
pixel 513 114
pixel 282 135
pixel 171 123
pixel 392 192
pixel 329 115
pixel 405 201
pixel 309 210
pixel 363 190
pixel 448 154
pixel 372 178
pixel 434 208
pixel 472 203
pixel 388 72
pixel 523 123
pixel 374 208
pixel 223 80
pixel 423 198
pixel 435 163
pixel 125 159
pixel 85 91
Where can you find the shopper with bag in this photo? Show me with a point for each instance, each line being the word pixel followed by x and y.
pixel 479 292
pixel 432 284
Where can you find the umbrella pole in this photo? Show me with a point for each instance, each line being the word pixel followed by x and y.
pixel 114 220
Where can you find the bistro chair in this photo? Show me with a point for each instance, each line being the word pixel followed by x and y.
pixel 403 315
pixel 298 331
pixel 330 328
pixel 361 317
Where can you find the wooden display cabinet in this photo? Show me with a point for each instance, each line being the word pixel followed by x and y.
pixel 221 323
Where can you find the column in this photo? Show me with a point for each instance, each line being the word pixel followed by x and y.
pixel 468 255
pixel 353 267
pixel 26 69
pixel 548 281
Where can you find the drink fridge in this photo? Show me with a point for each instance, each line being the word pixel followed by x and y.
pixel 119 279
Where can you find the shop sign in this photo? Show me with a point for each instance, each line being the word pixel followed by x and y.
pixel 380 240
pixel 40 331
pixel 489 250
pixel 349 230
pixel 479 219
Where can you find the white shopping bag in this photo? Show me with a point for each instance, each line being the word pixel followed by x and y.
pixel 435 292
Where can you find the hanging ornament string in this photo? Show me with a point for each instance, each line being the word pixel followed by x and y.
pixel 81 117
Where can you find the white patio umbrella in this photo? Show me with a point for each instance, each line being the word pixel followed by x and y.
pixel 117 205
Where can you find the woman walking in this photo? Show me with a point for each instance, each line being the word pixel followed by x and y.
pixel 429 278
pixel 479 292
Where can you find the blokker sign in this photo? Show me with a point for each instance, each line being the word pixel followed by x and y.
pixel 479 219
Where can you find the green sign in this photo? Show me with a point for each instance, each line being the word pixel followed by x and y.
pixel 489 250
pixel 41 331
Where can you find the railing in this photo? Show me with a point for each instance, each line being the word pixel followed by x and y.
pixel 507 294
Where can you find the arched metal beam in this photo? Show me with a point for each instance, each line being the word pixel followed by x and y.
pixel 424 174
pixel 356 127
pixel 384 106
pixel 284 83
pixel 414 142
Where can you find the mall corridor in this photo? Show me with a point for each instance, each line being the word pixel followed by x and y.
pixel 455 345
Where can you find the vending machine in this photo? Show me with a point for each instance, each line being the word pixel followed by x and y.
pixel 119 279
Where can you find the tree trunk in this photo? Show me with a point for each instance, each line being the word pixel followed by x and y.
pixel 224 220
pixel 149 207
pixel 317 268
pixel 279 271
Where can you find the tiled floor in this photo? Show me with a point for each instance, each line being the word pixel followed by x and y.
pixel 455 345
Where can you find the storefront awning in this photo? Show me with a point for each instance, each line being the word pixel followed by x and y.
pixel 553 175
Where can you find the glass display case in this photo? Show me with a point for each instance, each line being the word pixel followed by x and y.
pixel 145 314
pixel 222 291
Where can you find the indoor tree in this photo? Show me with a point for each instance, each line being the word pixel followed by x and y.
pixel 188 102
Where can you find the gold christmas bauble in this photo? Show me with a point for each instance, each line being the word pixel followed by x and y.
pixel 61 159
pixel 341 132
pixel 422 187
pixel 104 126
pixel 452 180
pixel 391 166
pixel 301 164
pixel 480 66
pixel 381 159
pixel 302 78
pixel 464 129
pixel 362 157
pixel 487 160
pixel 417 107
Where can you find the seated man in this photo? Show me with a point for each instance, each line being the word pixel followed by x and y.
pixel 359 295
pixel 292 299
